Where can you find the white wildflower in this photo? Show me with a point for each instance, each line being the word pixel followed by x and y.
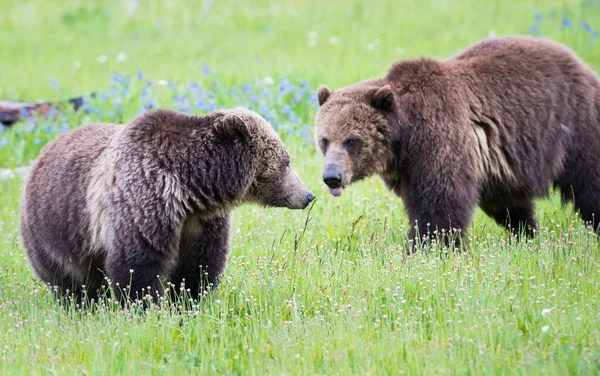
pixel 545 328
pixel 102 59
pixel 162 82
pixel 546 311
pixel 132 7
pixel 121 57
pixel 268 80
pixel 6 173
pixel 334 40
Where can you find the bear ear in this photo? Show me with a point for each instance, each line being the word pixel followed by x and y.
pixel 383 98
pixel 232 126
pixel 322 94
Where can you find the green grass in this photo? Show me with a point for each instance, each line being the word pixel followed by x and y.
pixel 345 300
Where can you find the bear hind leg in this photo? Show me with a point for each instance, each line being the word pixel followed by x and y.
pixel 94 280
pixel 586 199
pixel 64 287
pixel 58 281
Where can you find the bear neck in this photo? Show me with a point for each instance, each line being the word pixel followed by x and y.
pixel 220 176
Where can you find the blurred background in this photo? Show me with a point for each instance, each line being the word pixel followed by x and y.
pixel 267 55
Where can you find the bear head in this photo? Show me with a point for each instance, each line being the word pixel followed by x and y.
pixel 353 133
pixel 275 183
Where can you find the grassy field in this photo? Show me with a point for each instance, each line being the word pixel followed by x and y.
pixel 333 295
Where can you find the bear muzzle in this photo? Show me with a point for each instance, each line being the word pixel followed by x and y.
pixel 332 177
pixel 309 198
pixel 300 201
pixel 300 196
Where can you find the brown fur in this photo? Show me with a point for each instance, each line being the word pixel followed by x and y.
pixel 154 197
pixel 491 126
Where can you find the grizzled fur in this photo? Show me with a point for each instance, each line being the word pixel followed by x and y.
pixel 154 197
pixel 492 126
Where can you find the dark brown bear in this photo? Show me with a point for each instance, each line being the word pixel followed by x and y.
pixel 491 126
pixel 153 198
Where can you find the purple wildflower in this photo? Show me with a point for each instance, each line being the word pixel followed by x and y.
pixel 54 84
pixel 194 88
pixel 306 133
pixel 533 29
pixel 118 78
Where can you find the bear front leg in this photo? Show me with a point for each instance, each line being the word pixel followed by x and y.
pixel 204 249
pixel 135 262
pixel 424 229
pixel 440 207
pixel 134 280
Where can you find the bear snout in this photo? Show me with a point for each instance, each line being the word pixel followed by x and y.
pixel 332 176
pixel 299 201
pixel 297 194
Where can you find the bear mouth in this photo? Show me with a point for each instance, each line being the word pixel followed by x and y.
pixel 337 192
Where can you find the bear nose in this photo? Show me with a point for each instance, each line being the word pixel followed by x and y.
pixel 310 196
pixel 332 178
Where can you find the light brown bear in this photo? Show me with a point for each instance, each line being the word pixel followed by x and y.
pixel 491 126
pixel 152 198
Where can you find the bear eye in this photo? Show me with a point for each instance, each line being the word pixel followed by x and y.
pixel 324 143
pixel 350 143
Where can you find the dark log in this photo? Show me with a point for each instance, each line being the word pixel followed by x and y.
pixel 12 111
